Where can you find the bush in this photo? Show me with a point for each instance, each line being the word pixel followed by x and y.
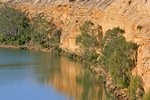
pixel 15 43
pixel 6 42
pixel 59 50
pixel 44 45
pixel 70 55
pixel 118 56
pixel 56 47
pixel 93 57
pixel 88 41
pixel 71 0
pixel 147 96
pixel 139 27
pixel 78 39
pixel 21 42
pixel 27 38
pixel 55 39
pixel 134 85
pixel 102 59
pixel 13 38
pixel 13 22
pixel 124 83
pixel 2 39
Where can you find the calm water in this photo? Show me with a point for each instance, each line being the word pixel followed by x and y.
pixel 28 75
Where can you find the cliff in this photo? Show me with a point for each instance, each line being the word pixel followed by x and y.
pixel 69 16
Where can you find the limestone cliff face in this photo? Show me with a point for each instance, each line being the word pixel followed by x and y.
pixel 69 16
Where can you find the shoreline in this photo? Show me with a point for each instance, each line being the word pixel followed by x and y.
pixel 25 48
pixel 115 91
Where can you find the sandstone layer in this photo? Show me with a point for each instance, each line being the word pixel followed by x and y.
pixel 69 16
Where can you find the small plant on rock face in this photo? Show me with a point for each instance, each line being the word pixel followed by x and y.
pixel 71 0
pixel 139 27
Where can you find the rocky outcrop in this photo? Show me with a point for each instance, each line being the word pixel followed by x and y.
pixel 69 16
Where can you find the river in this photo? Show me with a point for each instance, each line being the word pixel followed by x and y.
pixel 29 75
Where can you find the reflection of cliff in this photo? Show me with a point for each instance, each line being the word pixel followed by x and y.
pixel 77 82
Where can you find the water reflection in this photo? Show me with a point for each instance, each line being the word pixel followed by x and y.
pixel 47 77
pixel 73 79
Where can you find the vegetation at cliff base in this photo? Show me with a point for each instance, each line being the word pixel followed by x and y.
pixel 40 29
pixel 115 54
pixel 119 56
pixel 17 29
pixel 136 84
pixel 88 41
pixel 14 27
pixel 147 96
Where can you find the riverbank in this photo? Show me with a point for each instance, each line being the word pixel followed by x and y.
pixel 33 48
pixel 115 91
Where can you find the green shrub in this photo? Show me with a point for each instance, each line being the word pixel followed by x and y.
pixel 27 38
pixel 139 27
pixel 13 38
pixel 21 41
pixel 124 83
pixel 136 83
pixel 70 55
pixel 55 39
pixel 59 50
pixel 88 40
pixel 78 39
pixel 35 39
pixel 102 59
pixel 71 0
pixel 13 22
pixel 56 47
pixel 44 45
pixel 93 57
pixel 2 39
pixel 147 96
pixel 42 42
pixel 7 42
pixel 15 43
pixel 118 56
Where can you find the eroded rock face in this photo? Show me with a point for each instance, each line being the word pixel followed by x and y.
pixel 143 67
pixel 69 16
